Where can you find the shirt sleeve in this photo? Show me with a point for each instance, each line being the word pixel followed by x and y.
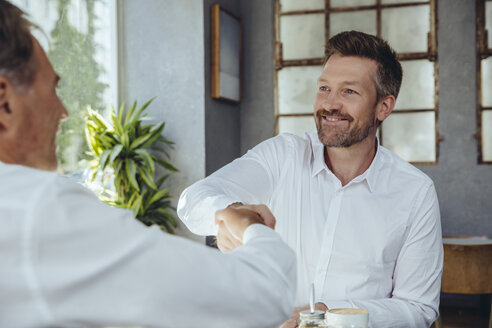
pixel 94 264
pixel 417 275
pixel 249 179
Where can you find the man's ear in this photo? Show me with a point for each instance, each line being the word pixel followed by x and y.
pixel 6 93
pixel 385 107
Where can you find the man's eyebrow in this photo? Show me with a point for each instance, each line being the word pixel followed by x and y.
pixel 347 82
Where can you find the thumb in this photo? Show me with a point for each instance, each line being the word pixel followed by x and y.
pixel 265 214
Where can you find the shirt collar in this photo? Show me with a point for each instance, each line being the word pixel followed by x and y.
pixel 370 175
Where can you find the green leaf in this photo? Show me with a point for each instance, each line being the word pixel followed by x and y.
pixel 129 113
pixel 147 159
pixel 120 112
pixel 165 164
pixel 136 114
pixel 158 195
pixel 115 152
pixel 147 176
pixel 131 171
pixel 104 158
pixel 161 180
pixel 140 140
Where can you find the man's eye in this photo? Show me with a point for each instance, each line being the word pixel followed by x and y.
pixel 350 91
pixel 323 88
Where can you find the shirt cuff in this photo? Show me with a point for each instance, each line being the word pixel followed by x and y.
pixel 257 230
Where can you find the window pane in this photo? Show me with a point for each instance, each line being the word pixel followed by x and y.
pixel 296 125
pixel 417 89
pixel 364 21
pixel 411 136
pixel 406 28
pixel 384 2
pixel 488 21
pixel 291 5
pixel 352 3
pixel 79 48
pixel 487 82
pixel 297 89
pixel 302 36
pixel 487 135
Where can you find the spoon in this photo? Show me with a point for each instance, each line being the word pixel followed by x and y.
pixel 311 298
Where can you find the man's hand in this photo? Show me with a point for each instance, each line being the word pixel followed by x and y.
pixel 233 221
pixel 294 319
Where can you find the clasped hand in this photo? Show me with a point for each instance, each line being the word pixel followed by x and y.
pixel 235 218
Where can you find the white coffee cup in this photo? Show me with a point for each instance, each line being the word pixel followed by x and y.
pixel 347 318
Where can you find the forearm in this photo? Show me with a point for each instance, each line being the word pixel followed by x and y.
pixel 198 204
pixel 245 180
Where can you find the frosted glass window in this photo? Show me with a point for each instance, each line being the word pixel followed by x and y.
pixel 417 88
pixel 488 20
pixel 385 2
pixel 487 135
pixel 292 5
pixel 406 28
pixel 364 21
pixel 297 125
pixel 411 136
pixel 487 82
pixel 352 3
pixel 302 36
pixel 297 89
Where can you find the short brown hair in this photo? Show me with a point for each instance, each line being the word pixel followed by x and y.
pixel 353 43
pixel 17 59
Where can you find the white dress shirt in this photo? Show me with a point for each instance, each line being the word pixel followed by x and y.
pixel 374 243
pixel 68 260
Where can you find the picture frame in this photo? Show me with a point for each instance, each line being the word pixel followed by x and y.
pixel 226 39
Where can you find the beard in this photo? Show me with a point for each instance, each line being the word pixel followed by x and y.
pixel 343 137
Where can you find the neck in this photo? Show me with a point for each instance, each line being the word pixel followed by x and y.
pixel 350 162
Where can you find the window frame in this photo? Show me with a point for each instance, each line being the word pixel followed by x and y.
pixel 483 51
pixel 430 55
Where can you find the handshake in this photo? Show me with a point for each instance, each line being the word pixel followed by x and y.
pixel 235 218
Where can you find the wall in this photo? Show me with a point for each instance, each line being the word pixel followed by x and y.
pixel 464 187
pixel 221 117
pixel 257 107
pixel 161 49
pixel 232 129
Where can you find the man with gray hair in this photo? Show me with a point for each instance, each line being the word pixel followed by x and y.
pixel 69 260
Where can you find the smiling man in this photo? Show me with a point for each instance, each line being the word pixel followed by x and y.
pixel 364 223
pixel 68 260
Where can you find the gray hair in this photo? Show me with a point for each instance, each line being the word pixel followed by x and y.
pixel 17 60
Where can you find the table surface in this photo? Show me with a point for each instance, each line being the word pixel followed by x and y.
pixel 467 241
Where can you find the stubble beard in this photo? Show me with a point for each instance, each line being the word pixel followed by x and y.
pixel 346 137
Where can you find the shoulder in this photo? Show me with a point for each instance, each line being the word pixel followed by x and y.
pixel 399 172
pixel 286 142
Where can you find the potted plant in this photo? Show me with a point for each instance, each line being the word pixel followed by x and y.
pixel 127 151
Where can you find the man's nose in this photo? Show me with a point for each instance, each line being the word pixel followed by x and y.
pixel 64 113
pixel 331 101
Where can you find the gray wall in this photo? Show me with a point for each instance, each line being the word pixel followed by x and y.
pixel 231 128
pixel 222 118
pixel 161 54
pixel 463 186
pixel 257 107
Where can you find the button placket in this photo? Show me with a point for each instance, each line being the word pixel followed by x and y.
pixel 328 233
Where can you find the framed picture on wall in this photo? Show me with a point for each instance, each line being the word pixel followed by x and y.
pixel 225 54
